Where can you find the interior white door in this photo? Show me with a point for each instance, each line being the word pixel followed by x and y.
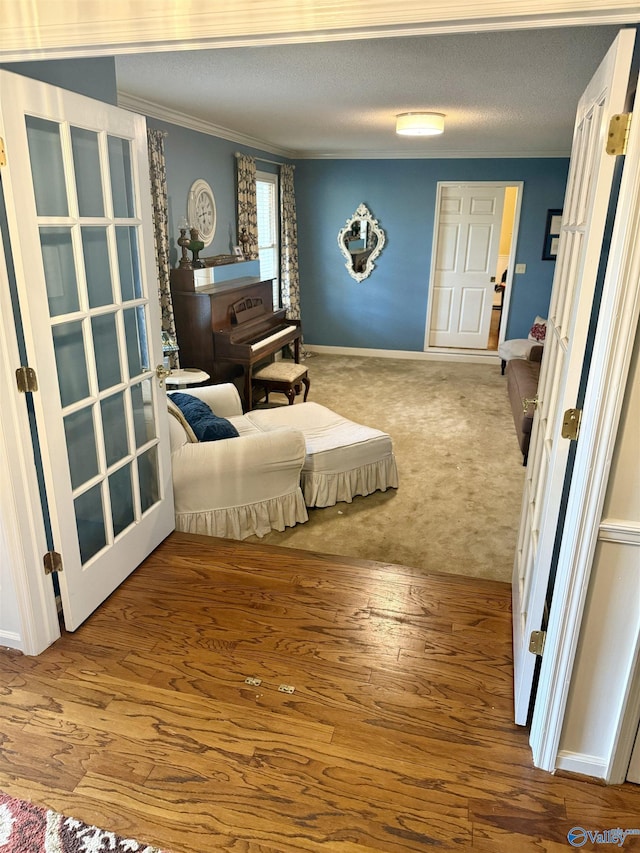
pixel 466 256
pixel 76 186
pixel 581 246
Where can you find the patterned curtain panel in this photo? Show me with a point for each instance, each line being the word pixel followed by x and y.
pixel 247 206
pixel 158 176
pixel 289 277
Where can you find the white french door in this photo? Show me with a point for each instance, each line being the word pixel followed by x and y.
pixel 581 246
pixel 79 218
pixel 467 242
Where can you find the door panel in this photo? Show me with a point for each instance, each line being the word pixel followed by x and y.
pixel 581 245
pixel 448 238
pixel 472 305
pixel 478 249
pixel 79 213
pixel 442 302
pixel 466 251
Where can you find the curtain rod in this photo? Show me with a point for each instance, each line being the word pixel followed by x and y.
pixel 263 159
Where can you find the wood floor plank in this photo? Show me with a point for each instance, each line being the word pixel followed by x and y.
pixel 39 758
pixel 494 840
pixel 261 801
pixel 398 736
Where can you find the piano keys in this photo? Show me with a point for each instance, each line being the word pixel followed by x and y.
pixel 226 328
pixel 276 337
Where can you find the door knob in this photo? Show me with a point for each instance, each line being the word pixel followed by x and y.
pixel 162 372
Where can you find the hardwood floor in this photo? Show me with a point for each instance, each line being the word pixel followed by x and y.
pixel 494 330
pixel 398 736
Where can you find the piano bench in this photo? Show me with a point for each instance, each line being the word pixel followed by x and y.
pixel 284 376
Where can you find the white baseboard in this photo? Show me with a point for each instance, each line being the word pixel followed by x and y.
pixel 584 765
pixel 11 640
pixel 433 354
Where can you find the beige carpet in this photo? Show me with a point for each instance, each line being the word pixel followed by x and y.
pixel 458 505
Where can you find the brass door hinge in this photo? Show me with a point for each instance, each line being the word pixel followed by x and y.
pixel 536 642
pixel 571 424
pixel 618 135
pixel 52 562
pixel 26 380
pixel 3 153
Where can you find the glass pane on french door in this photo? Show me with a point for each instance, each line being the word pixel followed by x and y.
pixel 89 234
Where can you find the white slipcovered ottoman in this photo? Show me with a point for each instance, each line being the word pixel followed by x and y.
pixel 343 458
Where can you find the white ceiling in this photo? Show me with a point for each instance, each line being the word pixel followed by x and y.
pixel 505 94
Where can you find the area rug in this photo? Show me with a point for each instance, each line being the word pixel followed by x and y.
pixel 461 476
pixel 27 828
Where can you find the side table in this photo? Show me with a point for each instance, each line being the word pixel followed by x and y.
pixel 186 376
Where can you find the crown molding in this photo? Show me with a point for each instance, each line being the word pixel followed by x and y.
pixel 41 29
pixel 431 155
pixel 157 111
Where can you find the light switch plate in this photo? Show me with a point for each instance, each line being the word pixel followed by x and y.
pixel 521 268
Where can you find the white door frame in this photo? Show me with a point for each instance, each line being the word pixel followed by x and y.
pixel 471 354
pixel 613 345
pixel 23 540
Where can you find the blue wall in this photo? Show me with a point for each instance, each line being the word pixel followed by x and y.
pixel 190 155
pixel 95 77
pixel 388 309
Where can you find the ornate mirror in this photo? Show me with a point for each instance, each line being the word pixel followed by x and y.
pixel 361 241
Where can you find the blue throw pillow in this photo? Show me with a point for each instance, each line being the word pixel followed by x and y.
pixel 206 425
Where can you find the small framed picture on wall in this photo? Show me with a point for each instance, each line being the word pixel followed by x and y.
pixel 552 234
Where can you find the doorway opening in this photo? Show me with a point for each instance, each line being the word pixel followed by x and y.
pixel 502 267
pixel 474 244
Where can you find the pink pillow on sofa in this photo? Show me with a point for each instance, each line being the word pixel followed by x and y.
pixel 538 331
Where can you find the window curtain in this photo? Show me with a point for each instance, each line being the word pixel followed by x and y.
pixel 247 206
pixel 289 276
pixel 158 177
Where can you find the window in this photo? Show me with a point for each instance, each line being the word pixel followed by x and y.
pixel 268 230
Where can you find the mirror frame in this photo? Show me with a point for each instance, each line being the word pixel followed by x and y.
pixel 362 212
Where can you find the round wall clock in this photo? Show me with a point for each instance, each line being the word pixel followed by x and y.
pixel 201 210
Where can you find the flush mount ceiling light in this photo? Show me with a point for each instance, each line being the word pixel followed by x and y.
pixel 420 124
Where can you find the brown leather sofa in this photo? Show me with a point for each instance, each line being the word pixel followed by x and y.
pixel 522 384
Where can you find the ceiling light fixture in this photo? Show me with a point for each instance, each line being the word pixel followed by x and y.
pixel 420 124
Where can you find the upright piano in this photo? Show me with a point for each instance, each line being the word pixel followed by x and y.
pixel 227 327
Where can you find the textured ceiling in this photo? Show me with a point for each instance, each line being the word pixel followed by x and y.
pixel 505 94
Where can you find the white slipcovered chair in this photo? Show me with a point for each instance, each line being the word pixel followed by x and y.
pixel 235 487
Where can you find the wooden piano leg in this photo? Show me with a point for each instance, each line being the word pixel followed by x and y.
pixel 248 398
pixel 296 350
